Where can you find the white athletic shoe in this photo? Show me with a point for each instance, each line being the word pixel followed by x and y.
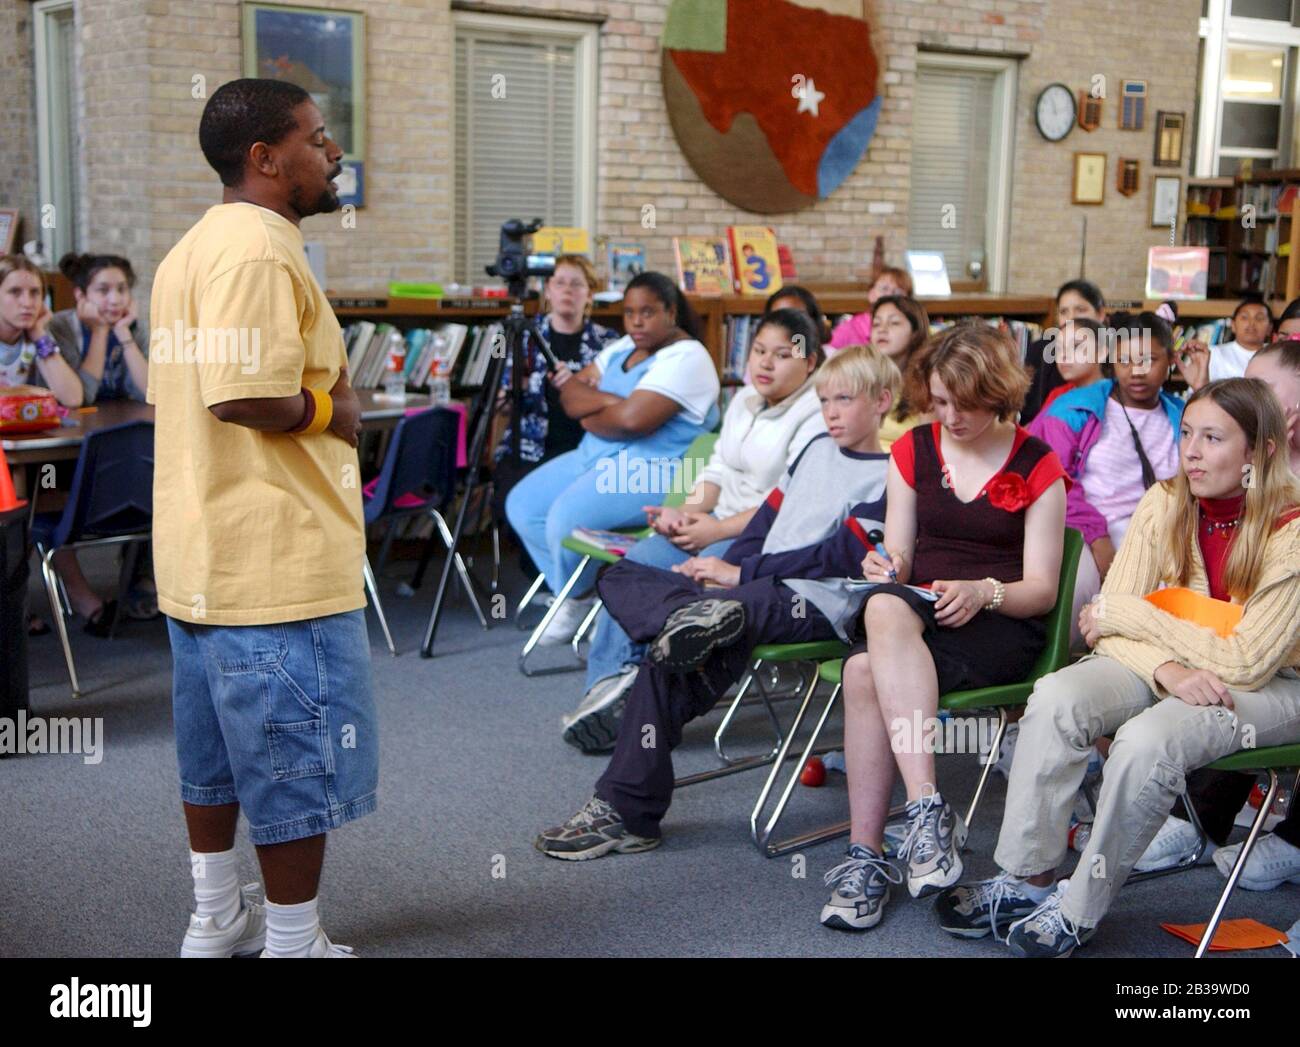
pixel 566 621
pixel 1173 845
pixel 323 949
pixel 245 935
pixel 1272 862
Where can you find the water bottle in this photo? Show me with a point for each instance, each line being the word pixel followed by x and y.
pixel 394 373
pixel 440 377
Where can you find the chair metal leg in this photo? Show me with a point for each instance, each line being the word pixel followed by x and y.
pixel 533 590
pixel 751 678
pixel 995 750
pixel 576 642
pixel 762 837
pixel 373 586
pixel 51 577
pixel 496 557
pixel 1242 858
pixel 547 618
pixel 462 571
pixel 1189 862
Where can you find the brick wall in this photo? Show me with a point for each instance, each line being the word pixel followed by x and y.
pixel 147 181
pixel 18 186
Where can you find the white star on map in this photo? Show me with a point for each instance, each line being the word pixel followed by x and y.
pixel 810 98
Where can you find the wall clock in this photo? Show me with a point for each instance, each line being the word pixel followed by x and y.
pixel 1054 112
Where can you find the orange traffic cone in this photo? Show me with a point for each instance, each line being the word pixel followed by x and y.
pixel 8 497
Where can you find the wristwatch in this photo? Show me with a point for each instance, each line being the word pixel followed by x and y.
pixel 45 347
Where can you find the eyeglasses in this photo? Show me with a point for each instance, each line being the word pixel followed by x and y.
pixel 569 285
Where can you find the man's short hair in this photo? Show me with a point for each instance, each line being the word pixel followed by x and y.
pixel 243 112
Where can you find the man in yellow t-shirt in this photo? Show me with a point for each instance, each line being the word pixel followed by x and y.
pixel 258 534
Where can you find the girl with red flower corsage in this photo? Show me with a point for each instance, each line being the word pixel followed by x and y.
pixel 973 540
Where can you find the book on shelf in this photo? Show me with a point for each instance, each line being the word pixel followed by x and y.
pixel 737 332
pixel 1178 272
pixel 555 240
pixel 756 259
pixel 625 260
pixel 789 271
pixel 703 265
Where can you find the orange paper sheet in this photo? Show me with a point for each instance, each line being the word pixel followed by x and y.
pixel 1230 936
pixel 1218 615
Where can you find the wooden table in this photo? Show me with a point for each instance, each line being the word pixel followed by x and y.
pixel 64 443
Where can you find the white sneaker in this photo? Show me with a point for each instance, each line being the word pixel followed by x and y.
pixel 566 621
pixel 1174 844
pixel 323 949
pixel 1272 862
pixel 245 934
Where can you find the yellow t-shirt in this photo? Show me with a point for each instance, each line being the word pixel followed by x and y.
pixel 250 527
pixel 891 428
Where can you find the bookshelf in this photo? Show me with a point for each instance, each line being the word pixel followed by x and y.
pixel 1259 256
pixel 836 300
pixel 1211 209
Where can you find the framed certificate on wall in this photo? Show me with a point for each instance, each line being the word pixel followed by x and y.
pixel 1089 178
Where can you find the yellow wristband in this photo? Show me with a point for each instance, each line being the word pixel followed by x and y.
pixel 324 413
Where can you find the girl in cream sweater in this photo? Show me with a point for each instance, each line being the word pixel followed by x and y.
pixel 1175 695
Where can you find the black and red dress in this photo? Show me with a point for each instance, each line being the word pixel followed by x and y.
pixel 970 541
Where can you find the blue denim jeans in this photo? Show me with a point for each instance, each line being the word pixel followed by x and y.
pixel 279 719
pixel 611 648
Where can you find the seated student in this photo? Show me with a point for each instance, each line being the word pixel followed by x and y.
pixel 1075 300
pixel 1288 324
pixel 103 332
pixel 1095 432
pixel 976 515
pixel 1252 328
pixel 792 296
pixel 110 344
pixel 545 430
pixel 28 355
pixel 640 403
pixel 1175 694
pixel 783 581
pixel 767 425
pixel 899 327
pixel 1079 353
pixel 1219 795
pixel 856 330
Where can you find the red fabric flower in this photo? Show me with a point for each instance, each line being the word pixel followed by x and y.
pixel 1008 491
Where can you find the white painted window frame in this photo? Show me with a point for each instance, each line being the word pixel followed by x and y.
pixel 1002 129
pixel 585 35
pixel 64 232
pixel 1218 29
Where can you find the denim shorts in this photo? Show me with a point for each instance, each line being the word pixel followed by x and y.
pixel 278 718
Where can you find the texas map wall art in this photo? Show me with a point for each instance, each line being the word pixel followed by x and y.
pixel 772 102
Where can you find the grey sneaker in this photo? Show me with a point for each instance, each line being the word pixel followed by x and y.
pixel 1272 862
pixel 593 725
pixel 973 910
pixel 861 885
pixel 932 847
pixel 693 631
pixel 1047 931
pixel 592 833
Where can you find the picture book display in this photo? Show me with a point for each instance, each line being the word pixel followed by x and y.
pixel 703 265
pixel 756 258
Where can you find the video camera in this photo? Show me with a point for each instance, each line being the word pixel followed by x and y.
pixel 512 264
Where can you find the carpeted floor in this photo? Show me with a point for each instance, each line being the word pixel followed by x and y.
pixel 93 858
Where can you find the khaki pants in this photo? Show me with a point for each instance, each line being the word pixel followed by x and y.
pixel 1156 744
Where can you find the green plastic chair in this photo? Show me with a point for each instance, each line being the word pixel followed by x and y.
pixel 1269 761
pixel 1055 655
pixel 700 450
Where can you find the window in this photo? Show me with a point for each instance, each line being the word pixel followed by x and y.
pixel 524 130
pixel 963 115
pixel 56 128
pixel 1246 109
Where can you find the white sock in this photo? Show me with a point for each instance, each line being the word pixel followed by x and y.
pixel 216 885
pixel 291 929
pixel 1036 894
